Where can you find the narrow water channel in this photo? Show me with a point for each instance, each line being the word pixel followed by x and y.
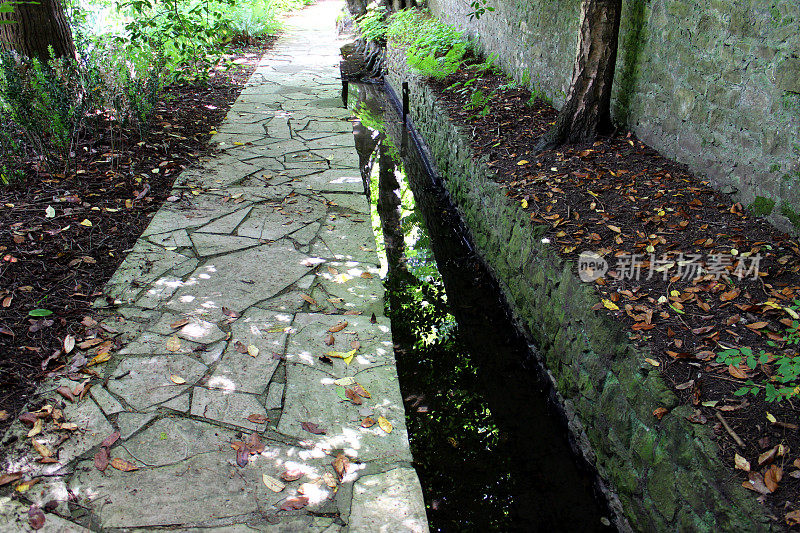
pixel 491 453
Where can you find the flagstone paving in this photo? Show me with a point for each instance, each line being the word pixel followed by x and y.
pixel 223 310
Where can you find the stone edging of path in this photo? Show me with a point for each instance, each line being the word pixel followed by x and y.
pixel 663 475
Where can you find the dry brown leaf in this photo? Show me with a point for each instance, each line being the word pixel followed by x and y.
pixel 772 477
pixel 122 464
pixel 292 475
pixel 309 299
pixel 736 372
pixel 730 295
pixel 329 340
pixel 757 325
pixel 179 323
pixel 37 428
pixel 755 483
pixel 177 380
pixel 230 312
pixel 101 459
pixel 312 428
pixel 339 326
pixel 258 418
pixel 36 518
pixel 353 397
pixel 367 422
pixel 361 391
pixel 109 441
pixel 69 343
pixel 293 504
pixel 11 477
pixel 340 465
pixel 768 456
pixel 792 518
pixel 66 392
pixel 366 275
pixel 659 412
pixel 329 480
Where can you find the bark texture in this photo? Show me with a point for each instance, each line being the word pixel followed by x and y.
pixel 587 110
pixel 37 26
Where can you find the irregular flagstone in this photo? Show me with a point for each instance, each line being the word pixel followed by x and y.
pixel 308 341
pixel 227 224
pixel 171 440
pixel 144 264
pixel 130 423
pixel 207 244
pixel 391 501
pixel 310 396
pixel 165 496
pixel 144 382
pixel 227 406
pixel 334 180
pixel 14 518
pixel 349 239
pixel 239 280
pixel 172 239
pixel 348 289
pixel 105 400
pixel 354 202
pixel 267 223
pixel 242 372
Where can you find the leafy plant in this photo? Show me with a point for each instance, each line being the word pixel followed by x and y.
pixel 479 8
pixel 784 383
pixel 373 24
pixel 433 48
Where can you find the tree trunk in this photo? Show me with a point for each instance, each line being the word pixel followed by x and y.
pixel 37 26
pixel 587 110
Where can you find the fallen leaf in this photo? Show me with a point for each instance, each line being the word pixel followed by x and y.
pixel 292 475
pixel 101 459
pixel 660 412
pixel 312 428
pixel 122 464
pixel 730 295
pixel 50 212
pixel 37 428
pixel 86 222
pixel 69 343
pixel 252 350
pixel 230 312
pixel 329 340
pixel 361 391
pixel 173 344
pixel 366 275
pixel 41 449
pixel 755 483
pixel 102 357
pixel 254 444
pixel 309 299
pixel 242 456
pixel 340 465
pixel 26 485
pixel 177 380
pixel 179 323
pixel 608 304
pixel 28 419
pixel 272 484
pixel 353 397
pixel 240 347
pixel 768 456
pixel 367 422
pixel 36 517
pixel 772 477
pixel 736 372
pixel 757 325
pixel 385 424
pixel 339 326
pixel 66 392
pixel 741 463
pixel 329 480
pixel 258 418
pixel 292 504
pixel 109 441
pixel 5 479
pixel 792 518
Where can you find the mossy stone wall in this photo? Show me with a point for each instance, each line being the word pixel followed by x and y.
pixel 715 85
pixel 666 474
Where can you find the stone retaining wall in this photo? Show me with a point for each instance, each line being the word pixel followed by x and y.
pixel 715 84
pixel 666 474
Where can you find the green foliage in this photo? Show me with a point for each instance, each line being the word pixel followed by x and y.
pixel 433 48
pixel 784 383
pixel 479 8
pixel 47 103
pixel 373 23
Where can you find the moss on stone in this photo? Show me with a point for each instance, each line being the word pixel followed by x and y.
pixel 762 206
pixel 792 214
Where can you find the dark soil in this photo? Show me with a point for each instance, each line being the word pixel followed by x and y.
pixel 619 197
pixel 62 263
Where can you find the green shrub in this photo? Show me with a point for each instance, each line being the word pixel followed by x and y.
pixel 373 24
pixel 433 48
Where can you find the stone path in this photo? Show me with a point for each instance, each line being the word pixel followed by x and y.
pixel 224 308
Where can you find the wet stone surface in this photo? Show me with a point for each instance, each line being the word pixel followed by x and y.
pixel 221 314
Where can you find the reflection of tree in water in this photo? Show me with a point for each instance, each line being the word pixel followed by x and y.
pixel 489 457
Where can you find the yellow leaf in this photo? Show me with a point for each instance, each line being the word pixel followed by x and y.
pixel 173 344
pixel 237 143
pixel 43 450
pixel 650 248
pixel 522 162
pixel 252 350
pixel 524 204
pixel 385 424
pixel 102 357
pixel 177 380
pixel 608 304
pixel 272 484
pixel 615 229
pixel 771 418
pixel 26 485
pixel 791 312
pixel 652 361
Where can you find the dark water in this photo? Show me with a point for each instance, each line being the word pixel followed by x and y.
pixel 491 453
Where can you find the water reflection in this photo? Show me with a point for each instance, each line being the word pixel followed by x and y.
pixel 490 453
